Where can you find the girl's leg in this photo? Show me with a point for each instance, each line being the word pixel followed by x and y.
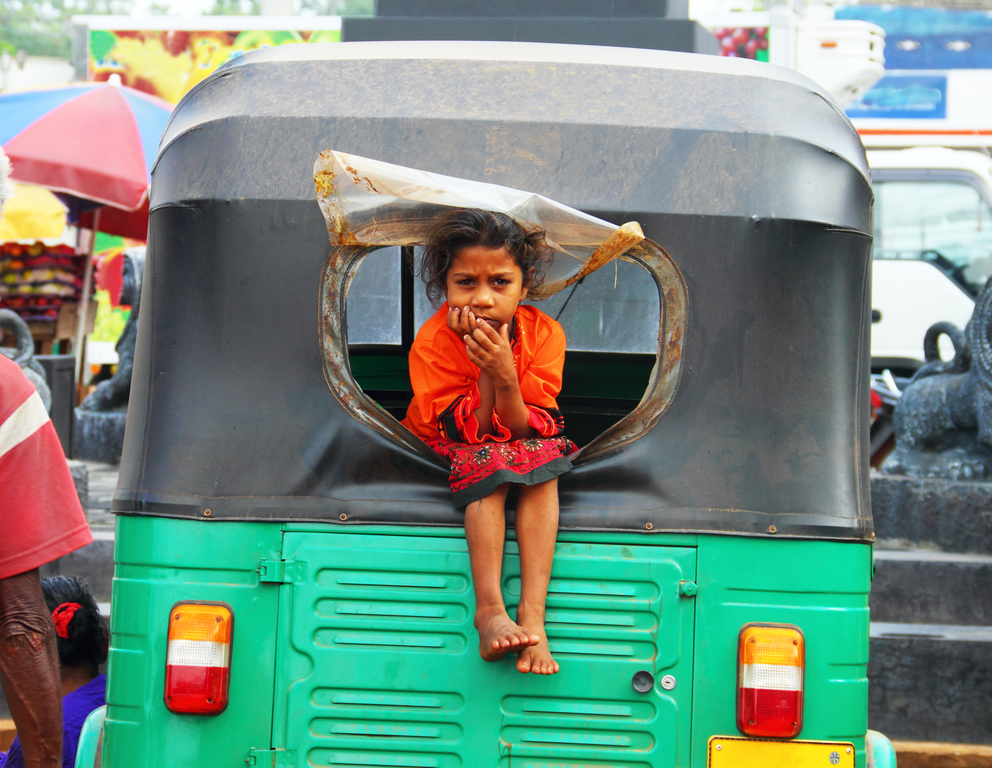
pixel 537 528
pixel 485 530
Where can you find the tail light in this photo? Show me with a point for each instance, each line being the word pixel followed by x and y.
pixel 770 663
pixel 198 663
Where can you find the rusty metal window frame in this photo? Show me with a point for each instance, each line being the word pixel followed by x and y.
pixel 336 278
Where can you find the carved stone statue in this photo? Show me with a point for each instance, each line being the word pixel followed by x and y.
pixel 943 421
pixel 113 394
pixel 100 419
pixel 23 353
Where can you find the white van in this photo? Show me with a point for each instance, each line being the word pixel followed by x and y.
pixel 932 250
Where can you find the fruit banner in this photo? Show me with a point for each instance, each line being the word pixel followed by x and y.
pixel 168 63
pixel 743 42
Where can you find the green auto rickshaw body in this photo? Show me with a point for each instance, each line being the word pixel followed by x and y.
pixel 245 481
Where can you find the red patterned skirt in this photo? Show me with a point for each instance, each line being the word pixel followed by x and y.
pixel 478 470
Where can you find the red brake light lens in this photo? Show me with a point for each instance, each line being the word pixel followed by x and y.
pixel 198 664
pixel 771 661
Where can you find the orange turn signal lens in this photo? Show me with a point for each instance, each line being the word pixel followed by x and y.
pixel 198 663
pixel 771 661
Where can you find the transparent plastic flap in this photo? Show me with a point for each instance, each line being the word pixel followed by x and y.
pixel 367 202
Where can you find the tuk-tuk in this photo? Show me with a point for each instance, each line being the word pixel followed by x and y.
pixel 292 584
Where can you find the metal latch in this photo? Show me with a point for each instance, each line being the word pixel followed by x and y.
pixel 688 588
pixel 270 758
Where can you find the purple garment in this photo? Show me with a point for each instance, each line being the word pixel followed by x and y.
pixel 76 707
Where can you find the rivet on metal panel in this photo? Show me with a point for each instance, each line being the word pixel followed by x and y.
pixel 772 529
pixel 343 516
pixel 206 513
pixel 719 747
pixel 649 526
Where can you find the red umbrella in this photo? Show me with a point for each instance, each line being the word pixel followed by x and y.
pixel 96 141
pixel 114 221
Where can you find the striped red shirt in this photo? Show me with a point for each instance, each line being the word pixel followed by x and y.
pixel 40 514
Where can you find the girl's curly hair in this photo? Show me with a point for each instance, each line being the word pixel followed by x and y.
pixel 466 227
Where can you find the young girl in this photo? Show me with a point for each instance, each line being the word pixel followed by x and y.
pixel 485 373
pixel 82 638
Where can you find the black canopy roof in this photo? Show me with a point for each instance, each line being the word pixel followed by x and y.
pixel 748 175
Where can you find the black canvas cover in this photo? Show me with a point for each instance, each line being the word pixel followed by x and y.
pixel 748 176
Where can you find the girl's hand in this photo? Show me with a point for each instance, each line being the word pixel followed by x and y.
pixel 461 320
pixel 491 351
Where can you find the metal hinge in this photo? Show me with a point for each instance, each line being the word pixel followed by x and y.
pixel 270 758
pixel 688 588
pixel 272 570
pixel 260 758
pixel 282 571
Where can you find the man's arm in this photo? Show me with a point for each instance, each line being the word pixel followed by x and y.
pixel 29 669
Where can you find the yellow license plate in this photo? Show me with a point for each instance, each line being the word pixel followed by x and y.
pixel 737 752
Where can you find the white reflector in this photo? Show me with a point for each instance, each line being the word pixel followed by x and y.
pixel 197 653
pixel 773 677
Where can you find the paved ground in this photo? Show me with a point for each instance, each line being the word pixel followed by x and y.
pixel 102 485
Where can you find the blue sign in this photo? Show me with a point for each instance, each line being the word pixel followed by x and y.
pixel 929 38
pixel 902 96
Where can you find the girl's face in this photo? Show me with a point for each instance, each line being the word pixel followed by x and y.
pixel 487 281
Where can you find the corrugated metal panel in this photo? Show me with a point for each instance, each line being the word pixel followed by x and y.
pixel 384 670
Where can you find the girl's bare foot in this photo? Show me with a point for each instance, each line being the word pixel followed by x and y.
pixel 498 634
pixel 536 658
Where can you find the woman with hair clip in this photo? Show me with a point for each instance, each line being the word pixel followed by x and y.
pixel 82 637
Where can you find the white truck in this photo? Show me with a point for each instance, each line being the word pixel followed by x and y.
pixel 926 133
pixel 933 247
pixel 933 219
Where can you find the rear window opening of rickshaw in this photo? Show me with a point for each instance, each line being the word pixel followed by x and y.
pixel 610 318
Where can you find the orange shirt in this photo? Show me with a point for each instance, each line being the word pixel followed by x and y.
pixel 446 383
